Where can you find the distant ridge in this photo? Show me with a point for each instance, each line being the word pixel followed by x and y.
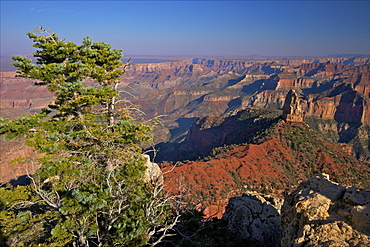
pixel 346 55
pixel 5 60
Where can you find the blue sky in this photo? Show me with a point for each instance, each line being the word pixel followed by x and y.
pixel 279 28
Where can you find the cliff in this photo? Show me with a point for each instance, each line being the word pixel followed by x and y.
pixel 159 86
pixel 18 96
pixel 287 80
pixel 334 93
pixel 262 81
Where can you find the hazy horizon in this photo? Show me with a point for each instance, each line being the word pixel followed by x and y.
pixel 140 59
pixel 195 28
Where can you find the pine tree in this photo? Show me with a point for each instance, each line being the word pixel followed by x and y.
pixel 90 189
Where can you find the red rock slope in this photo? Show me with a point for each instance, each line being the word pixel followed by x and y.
pixel 293 154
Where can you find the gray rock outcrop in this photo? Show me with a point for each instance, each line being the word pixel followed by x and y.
pixel 254 219
pixel 323 213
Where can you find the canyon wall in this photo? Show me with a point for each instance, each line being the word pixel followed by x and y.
pixel 330 89
pixel 19 96
pixel 263 81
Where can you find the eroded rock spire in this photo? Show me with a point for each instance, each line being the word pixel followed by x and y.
pixel 292 110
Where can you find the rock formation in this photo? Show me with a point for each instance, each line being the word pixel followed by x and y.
pixel 288 80
pixel 153 174
pixel 292 110
pixel 337 92
pixel 318 213
pixel 323 213
pixel 254 219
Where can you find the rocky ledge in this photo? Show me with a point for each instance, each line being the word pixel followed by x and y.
pixel 323 213
pixel 318 213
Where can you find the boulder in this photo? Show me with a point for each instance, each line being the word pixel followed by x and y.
pixel 153 173
pixel 253 218
pixel 323 213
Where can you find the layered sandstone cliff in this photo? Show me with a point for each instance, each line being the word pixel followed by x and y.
pixel 18 96
pixel 335 94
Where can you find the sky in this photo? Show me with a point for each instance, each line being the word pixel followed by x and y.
pixel 195 28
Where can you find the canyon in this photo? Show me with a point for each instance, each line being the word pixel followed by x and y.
pixel 232 127
pixel 334 93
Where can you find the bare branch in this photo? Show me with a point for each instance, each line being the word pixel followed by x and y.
pixel 43 30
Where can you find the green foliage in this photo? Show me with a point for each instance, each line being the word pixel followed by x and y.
pixel 309 146
pixel 90 189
